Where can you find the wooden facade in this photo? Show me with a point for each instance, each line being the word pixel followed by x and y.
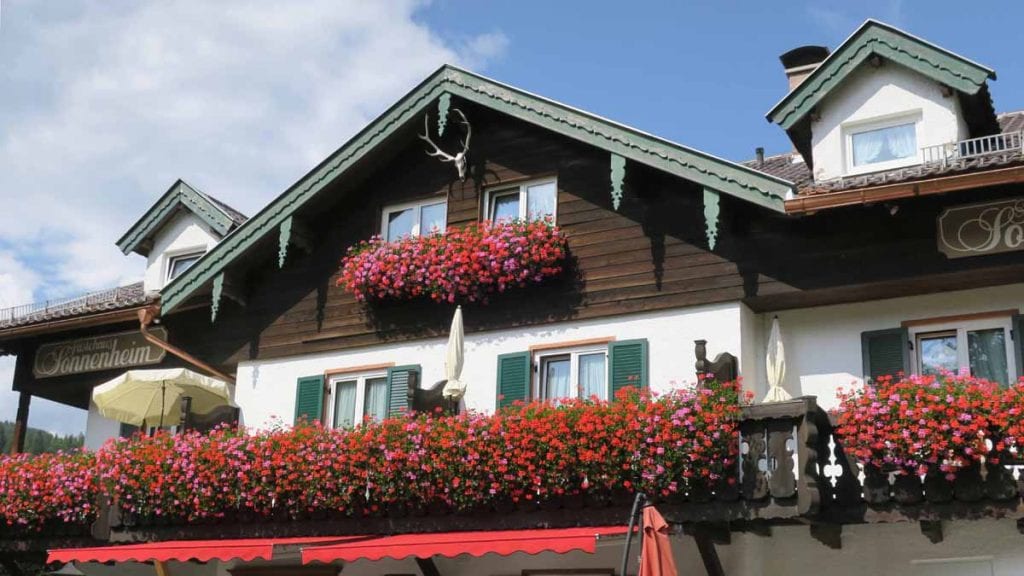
pixel 650 254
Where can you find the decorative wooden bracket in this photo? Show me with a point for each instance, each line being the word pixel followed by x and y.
pixel 830 535
pixel 932 529
pixel 224 285
pixel 444 103
pixel 618 172
pixel 711 212
pixel 292 232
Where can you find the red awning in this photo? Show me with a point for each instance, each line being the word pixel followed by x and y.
pixel 184 550
pixel 451 544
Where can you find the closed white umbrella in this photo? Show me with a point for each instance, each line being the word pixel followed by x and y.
pixel 454 389
pixel 775 363
pixel 151 397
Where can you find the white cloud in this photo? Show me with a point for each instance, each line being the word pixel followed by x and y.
pixel 106 103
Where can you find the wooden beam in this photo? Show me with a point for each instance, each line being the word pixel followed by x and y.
pixel 160 567
pixel 115 317
pixel 874 194
pixel 21 423
pixel 708 554
pixel 428 567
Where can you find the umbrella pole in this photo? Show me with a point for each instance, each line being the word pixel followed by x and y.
pixel 163 398
pixel 634 515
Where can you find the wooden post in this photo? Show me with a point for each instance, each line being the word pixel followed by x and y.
pixel 21 424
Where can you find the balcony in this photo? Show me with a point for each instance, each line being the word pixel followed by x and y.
pixel 1008 143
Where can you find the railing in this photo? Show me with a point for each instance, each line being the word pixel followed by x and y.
pixel 953 151
pixel 65 305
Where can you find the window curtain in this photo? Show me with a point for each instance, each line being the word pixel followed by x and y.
pixel 867 147
pixel 557 378
pixel 345 405
pixel 540 200
pixel 592 375
pixel 901 141
pixel 376 402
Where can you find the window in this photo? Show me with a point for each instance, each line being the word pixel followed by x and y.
pixel 578 373
pixel 882 144
pixel 177 265
pixel 355 397
pixel 528 201
pixel 413 219
pixel 982 348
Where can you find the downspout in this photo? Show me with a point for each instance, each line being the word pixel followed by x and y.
pixel 146 316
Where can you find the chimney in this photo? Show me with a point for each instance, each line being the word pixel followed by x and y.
pixel 800 62
pixel 759 152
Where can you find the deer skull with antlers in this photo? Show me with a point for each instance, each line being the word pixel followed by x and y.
pixel 458 159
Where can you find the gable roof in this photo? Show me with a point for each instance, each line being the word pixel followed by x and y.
pixel 878 38
pixel 704 169
pixel 220 217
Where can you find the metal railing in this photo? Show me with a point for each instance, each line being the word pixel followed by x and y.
pixel 66 305
pixel 973 148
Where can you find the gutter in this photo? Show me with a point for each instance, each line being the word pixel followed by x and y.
pixel 146 317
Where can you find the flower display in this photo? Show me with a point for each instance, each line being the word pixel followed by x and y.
pixel 523 455
pixel 460 264
pixel 48 489
pixel 920 423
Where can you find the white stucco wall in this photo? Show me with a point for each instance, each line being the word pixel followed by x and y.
pixel 874 94
pixel 823 344
pixel 265 390
pixel 99 429
pixel 184 234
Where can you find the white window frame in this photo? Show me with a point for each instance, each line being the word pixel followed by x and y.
pixel 540 357
pixel 418 205
pixel 850 129
pixel 521 187
pixel 961 329
pixel 360 406
pixel 180 255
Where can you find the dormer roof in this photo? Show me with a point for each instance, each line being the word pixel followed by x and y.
pixel 875 38
pixel 220 217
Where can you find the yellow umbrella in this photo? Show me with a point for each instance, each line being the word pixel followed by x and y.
pixel 775 364
pixel 454 388
pixel 149 397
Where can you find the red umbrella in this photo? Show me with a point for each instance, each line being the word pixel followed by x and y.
pixel 656 552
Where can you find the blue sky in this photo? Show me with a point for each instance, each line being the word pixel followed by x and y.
pixel 104 103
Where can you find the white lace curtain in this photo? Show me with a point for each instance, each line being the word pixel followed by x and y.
pixel 884 144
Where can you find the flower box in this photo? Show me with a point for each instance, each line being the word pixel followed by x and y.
pixel 464 264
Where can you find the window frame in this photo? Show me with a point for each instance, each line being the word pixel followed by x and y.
pixel 331 388
pixel 541 357
pixel 522 188
pixel 961 328
pixel 196 253
pixel 417 223
pixel 851 129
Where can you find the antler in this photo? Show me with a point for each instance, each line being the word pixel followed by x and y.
pixel 426 137
pixel 469 130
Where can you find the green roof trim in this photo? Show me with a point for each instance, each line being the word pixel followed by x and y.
pixel 703 169
pixel 874 37
pixel 138 238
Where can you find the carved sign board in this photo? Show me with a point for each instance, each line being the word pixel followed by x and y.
pixel 978 229
pixel 107 352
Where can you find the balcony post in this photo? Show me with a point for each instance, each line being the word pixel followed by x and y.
pixel 21 423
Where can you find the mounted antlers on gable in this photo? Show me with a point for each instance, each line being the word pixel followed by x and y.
pixel 458 159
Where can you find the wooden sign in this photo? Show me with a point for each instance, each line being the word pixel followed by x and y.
pixel 107 352
pixel 986 228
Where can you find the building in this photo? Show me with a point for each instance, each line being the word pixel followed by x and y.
pixel 890 239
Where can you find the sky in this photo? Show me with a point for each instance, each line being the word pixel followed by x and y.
pixel 104 103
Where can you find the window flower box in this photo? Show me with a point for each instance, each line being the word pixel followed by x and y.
pixel 466 264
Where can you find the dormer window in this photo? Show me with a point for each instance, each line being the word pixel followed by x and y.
pixel 882 144
pixel 177 265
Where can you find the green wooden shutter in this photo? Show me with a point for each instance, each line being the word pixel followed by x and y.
pixel 309 398
pixel 1018 344
pixel 400 380
pixel 885 352
pixel 627 365
pixel 513 378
